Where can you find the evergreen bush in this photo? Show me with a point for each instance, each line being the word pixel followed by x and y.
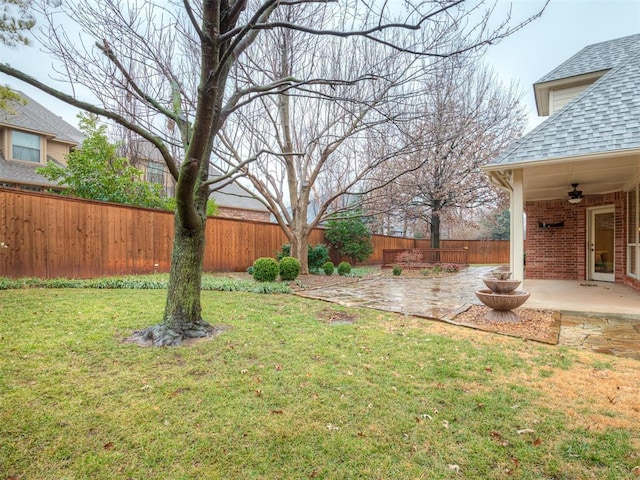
pixel 344 268
pixel 316 256
pixel 265 269
pixel 328 268
pixel 397 270
pixel 289 269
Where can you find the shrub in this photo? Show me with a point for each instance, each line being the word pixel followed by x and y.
pixel 451 268
pixel 265 269
pixel 289 269
pixel 409 257
pixel 328 268
pixel 350 236
pixel 344 268
pixel 285 251
pixel 397 270
pixel 316 256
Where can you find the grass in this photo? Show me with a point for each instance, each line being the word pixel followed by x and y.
pixel 285 394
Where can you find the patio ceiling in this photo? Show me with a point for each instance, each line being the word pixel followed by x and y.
pixel 553 179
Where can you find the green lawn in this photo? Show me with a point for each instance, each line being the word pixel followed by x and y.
pixel 283 394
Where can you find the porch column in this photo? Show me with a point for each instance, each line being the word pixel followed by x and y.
pixel 517 225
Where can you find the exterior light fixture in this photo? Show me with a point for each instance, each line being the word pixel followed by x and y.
pixel 575 196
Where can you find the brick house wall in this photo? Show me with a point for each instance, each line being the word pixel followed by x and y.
pixel 242 214
pixel 560 253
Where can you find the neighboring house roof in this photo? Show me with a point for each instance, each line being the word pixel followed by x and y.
pixel 233 196
pixel 604 118
pixel 34 117
pixel 594 58
pixel 23 173
pixel 230 196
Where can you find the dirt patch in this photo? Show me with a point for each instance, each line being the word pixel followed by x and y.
pixel 319 280
pixel 311 281
pixel 332 317
pixel 539 325
pixel 142 340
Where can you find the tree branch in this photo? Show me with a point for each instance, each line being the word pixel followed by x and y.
pixel 155 140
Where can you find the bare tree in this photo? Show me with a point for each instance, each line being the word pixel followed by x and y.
pixel 15 21
pixel 313 136
pixel 464 122
pixel 175 60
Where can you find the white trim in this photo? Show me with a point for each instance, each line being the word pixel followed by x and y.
pixel 516 259
pixel 591 252
pixel 552 161
pixel 634 245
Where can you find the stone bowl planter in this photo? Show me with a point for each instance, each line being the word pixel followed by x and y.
pixel 502 301
pixel 501 286
pixel 501 274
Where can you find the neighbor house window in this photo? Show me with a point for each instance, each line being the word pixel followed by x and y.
pixel 633 232
pixel 155 173
pixel 25 146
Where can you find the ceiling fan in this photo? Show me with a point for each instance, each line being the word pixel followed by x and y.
pixel 575 196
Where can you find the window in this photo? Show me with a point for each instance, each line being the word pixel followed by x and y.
pixel 25 146
pixel 633 232
pixel 155 173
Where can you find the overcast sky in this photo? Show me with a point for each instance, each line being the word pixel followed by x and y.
pixel 565 28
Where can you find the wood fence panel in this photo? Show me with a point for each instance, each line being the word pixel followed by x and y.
pixel 50 236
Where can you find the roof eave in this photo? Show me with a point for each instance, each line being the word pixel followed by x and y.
pixel 502 167
pixel 51 136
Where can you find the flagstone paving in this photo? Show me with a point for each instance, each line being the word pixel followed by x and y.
pixel 441 298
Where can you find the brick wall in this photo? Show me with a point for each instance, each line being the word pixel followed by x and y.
pixel 241 214
pixel 560 253
pixel 632 283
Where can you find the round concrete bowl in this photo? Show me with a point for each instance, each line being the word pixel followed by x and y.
pixel 501 274
pixel 501 286
pixel 502 301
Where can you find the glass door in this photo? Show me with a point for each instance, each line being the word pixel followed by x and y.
pixel 601 244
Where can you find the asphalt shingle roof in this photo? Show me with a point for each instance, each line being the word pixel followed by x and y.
pixel 33 116
pixel 233 196
pixel 595 58
pixel 22 172
pixel 603 118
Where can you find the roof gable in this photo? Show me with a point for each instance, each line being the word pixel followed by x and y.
pixel 604 118
pixel 34 117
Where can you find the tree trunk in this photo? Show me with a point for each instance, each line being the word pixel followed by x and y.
pixel 300 250
pixel 182 315
pixel 435 230
pixel 435 235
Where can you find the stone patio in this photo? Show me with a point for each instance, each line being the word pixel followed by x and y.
pixel 603 318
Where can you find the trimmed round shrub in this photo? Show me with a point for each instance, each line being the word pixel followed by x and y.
pixel 289 269
pixel 328 268
pixel 397 270
pixel 265 269
pixel 344 268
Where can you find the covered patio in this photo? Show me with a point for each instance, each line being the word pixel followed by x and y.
pixel 576 176
pixel 587 297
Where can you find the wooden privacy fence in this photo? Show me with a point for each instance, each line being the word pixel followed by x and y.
pixel 50 236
